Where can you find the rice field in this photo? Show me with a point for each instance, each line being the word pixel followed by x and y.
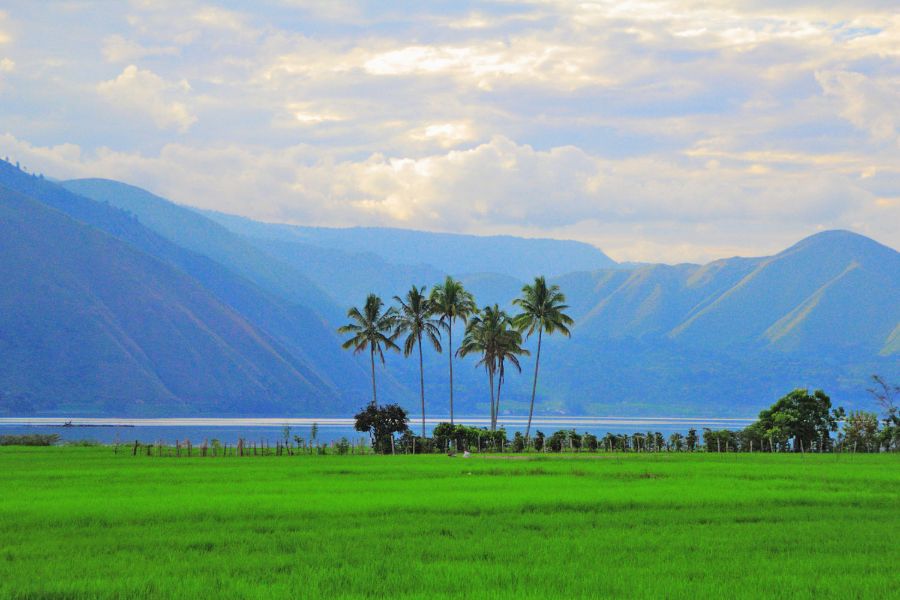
pixel 88 523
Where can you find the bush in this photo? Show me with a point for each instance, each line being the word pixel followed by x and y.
pixel 557 440
pixel 32 439
pixel 83 443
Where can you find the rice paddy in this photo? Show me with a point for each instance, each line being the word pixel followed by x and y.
pixel 88 523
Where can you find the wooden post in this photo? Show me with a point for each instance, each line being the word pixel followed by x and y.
pixel 134 452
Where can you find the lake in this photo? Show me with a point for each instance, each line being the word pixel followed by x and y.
pixel 109 430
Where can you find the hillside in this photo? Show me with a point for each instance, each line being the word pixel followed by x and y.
pixel 452 253
pixel 717 339
pixel 91 325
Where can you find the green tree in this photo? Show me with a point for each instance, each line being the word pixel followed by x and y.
pixel 542 310
pixel 509 348
pixel 691 439
pixel 491 334
pixel 381 422
pixel 861 431
pixel 805 418
pixel 481 338
pixel 368 328
pixel 451 301
pixel 414 320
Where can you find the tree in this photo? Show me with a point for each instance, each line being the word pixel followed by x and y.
pixel 805 418
pixel 381 422
pixel 861 431
pixel 885 394
pixel 509 348
pixel 368 328
pixel 451 301
pixel 490 334
pixel 542 310
pixel 676 441
pixel 414 319
pixel 691 439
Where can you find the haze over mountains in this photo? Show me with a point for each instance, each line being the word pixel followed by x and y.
pixel 119 302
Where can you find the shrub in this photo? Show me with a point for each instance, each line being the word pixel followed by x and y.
pixel 32 439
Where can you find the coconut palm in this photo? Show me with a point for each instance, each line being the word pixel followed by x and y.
pixel 449 301
pixel 414 319
pixel 542 310
pixel 490 334
pixel 509 348
pixel 368 328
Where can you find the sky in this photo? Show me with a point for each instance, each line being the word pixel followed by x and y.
pixel 658 131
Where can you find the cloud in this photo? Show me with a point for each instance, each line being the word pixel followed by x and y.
pixel 145 92
pixel 872 106
pixel 625 206
pixel 656 129
pixel 117 49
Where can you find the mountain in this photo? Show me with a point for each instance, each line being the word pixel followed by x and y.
pixel 721 339
pixel 88 324
pixel 822 313
pixel 194 232
pixel 521 258
pixel 787 302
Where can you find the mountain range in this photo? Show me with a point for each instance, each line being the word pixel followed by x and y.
pixel 119 302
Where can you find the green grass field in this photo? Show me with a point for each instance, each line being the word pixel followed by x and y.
pixel 84 522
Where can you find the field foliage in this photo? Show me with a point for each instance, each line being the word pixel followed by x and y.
pixel 85 522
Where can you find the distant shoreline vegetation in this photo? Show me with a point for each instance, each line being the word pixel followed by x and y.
pixel 800 422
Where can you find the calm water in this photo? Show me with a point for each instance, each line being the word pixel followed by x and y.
pixel 229 430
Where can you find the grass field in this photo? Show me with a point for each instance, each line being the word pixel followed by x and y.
pixel 84 522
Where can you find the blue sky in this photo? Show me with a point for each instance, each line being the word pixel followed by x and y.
pixel 659 131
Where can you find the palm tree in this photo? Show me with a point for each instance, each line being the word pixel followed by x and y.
pixel 490 334
pixel 542 310
pixel 450 300
pixel 368 328
pixel 509 347
pixel 414 319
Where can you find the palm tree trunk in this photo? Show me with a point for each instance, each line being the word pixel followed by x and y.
pixel 537 363
pixel 372 356
pixel 497 405
pixel 450 356
pixel 422 384
pixel 491 382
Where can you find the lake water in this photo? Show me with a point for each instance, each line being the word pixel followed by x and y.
pixel 270 429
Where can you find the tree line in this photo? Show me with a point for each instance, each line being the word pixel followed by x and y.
pixel 798 422
pixel 491 335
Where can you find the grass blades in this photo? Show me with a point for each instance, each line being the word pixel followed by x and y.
pixel 84 522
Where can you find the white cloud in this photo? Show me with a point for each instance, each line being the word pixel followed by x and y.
pixel 445 135
pixel 635 208
pixel 145 92
pixel 693 125
pixel 117 49
pixel 873 106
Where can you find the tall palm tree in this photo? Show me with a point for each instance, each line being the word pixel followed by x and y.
pixel 509 347
pixel 368 328
pixel 489 333
pixel 449 301
pixel 414 319
pixel 542 310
